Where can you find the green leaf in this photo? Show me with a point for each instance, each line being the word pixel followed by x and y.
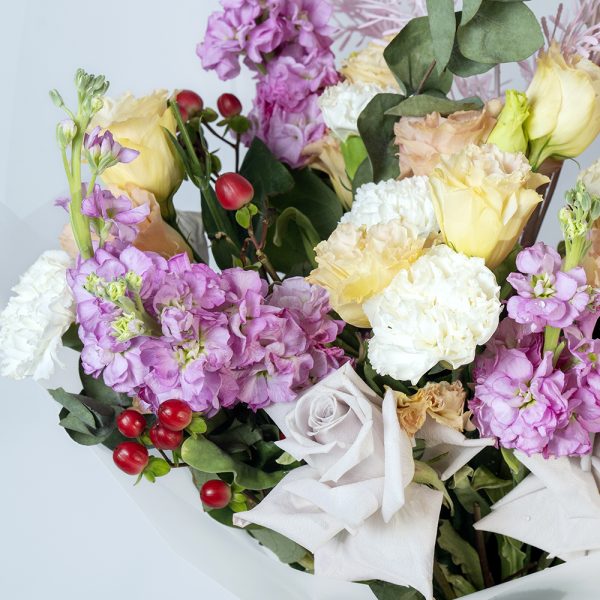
pixel 426 475
pixel 517 469
pixel 94 387
pixel 74 404
pixel 504 269
pixel 310 236
pixel 410 56
pixel 285 459
pixel 239 124
pixel 484 479
pixel 390 591
pixel 205 456
pixel 285 549
pixel 242 216
pixel 469 9
pixel 443 29
pixel 198 425
pixel 467 496
pixel 364 174
pixel 419 106
pixel 70 338
pixel 237 433
pixel 158 467
pixel 377 132
pixel 459 584
pixel 462 553
pixel 500 32
pixel 512 558
pixel 354 152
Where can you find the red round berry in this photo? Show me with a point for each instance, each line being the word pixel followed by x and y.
pixel 190 104
pixel 175 414
pixel 229 105
pixel 215 494
pixel 130 457
pixel 165 439
pixel 131 423
pixel 233 191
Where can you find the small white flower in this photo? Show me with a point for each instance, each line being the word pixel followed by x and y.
pixel 35 318
pixel 439 309
pixel 408 200
pixel 341 105
pixel 591 178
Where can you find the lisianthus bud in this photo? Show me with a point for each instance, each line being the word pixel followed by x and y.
pixel 229 105
pixel 65 132
pixel 233 191
pixel 508 133
pixel 565 106
pixel 190 104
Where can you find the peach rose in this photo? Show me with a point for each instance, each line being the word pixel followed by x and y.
pixel 422 140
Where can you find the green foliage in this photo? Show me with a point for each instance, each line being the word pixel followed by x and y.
pixel 70 338
pixel 94 387
pixel 423 104
pixel 426 475
pixel 460 585
pixel 354 152
pixel 462 553
pixel 285 549
pixel 443 30
pixel 157 467
pixel 389 591
pixel 464 492
pixel 504 269
pixel 512 557
pixel 309 235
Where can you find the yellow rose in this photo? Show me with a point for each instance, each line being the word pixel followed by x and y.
pixel 483 198
pixel 444 402
pixel 508 134
pixel 369 66
pixel 138 123
pixel 565 106
pixel 422 141
pixel 356 263
pixel 326 155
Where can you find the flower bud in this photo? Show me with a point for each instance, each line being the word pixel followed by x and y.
pixel 508 133
pixel 65 132
pixel 233 191
pixel 229 105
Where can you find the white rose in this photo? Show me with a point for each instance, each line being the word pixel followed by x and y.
pixel 408 200
pixel 591 178
pixel 439 309
pixel 36 317
pixel 341 105
pixel 354 504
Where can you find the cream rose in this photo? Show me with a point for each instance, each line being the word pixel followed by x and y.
pixel 139 123
pixel 356 263
pixel 422 141
pixel 369 66
pixel 354 504
pixel 483 198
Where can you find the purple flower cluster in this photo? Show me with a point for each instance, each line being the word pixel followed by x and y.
pixel 103 151
pixel 529 399
pixel 546 296
pixel 163 329
pixel 287 44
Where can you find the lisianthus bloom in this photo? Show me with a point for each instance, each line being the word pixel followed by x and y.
pixel 37 315
pixel 408 201
pixel 422 141
pixel 565 106
pixel 139 124
pixel 356 263
pixel 508 133
pixel 483 198
pixel 546 296
pixel 369 66
pixel 438 309
pixel 444 402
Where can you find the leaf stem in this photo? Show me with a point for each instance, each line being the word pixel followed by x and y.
pixel 425 77
pixel 481 550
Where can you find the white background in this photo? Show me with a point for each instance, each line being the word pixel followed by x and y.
pixel 66 530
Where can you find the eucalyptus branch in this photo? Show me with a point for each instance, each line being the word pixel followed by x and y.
pixel 425 77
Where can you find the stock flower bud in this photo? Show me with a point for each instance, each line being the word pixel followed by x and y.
pixel 508 133
pixel 233 191
pixel 65 132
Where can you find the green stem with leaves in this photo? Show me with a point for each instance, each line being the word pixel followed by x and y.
pixel 79 222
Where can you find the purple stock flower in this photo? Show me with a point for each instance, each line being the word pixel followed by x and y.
pixel 546 296
pixel 103 151
pixel 117 211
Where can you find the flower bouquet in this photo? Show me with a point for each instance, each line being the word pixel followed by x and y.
pixel 377 371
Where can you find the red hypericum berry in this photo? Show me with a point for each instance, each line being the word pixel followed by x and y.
pixel 190 104
pixel 165 439
pixel 215 494
pixel 233 191
pixel 131 457
pixel 131 423
pixel 175 414
pixel 229 105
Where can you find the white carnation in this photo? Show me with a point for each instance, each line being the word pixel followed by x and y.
pixel 439 309
pixel 35 318
pixel 341 105
pixel 408 200
pixel 591 178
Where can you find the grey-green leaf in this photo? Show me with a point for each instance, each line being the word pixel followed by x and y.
pixel 285 549
pixel 469 10
pixel 389 591
pixel 419 106
pixel 443 29
pixel 462 553
pixel 500 32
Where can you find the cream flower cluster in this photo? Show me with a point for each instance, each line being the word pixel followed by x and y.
pixel 341 105
pixel 35 318
pixel 439 309
pixel 408 200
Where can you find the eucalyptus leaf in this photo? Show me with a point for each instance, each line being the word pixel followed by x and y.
pixel 310 236
pixel 205 456
pixel 73 403
pixel 462 553
pixel 285 549
pixel 443 29
pixel 423 104
pixel 237 432
pixel 94 387
pixel 500 32
pixel 364 174
pixel 70 338
pixel 469 10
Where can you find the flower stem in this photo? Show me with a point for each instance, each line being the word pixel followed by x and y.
pixel 551 337
pixel 488 580
pixel 441 580
pixel 79 222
